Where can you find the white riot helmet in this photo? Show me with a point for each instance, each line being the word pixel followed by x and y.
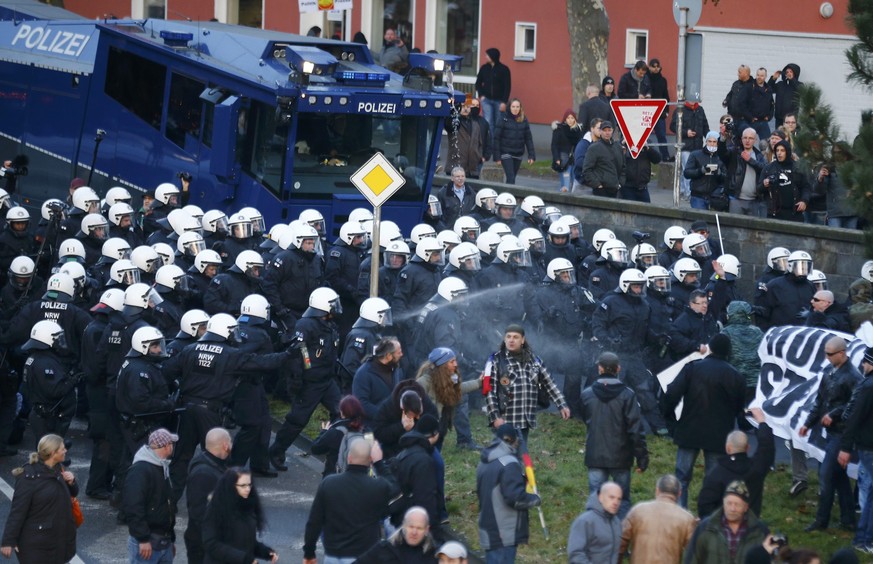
pixel 180 222
pixel 274 237
pixel 60 287
pixel 221 327
pixel 630 279
pixel 303 233
pixel 116 248
pixel 167 194
pixel 448 239
pixel 361 216
pixel 532 240
pixel 167 278
pixel 533 206
pixel 506 200
pixel 466 257
pixel 95 226
pixel 144 339
pixel 684 267
pixel 430 250
pixel 644 255
pixel 314 219
pixel 75 271
pixel 674 234
pixel 600 237
pixel 488 242
pixel 452 288
pixel 777 259
pixel 255 305
pixel 510 251
pixel 500 228
pixel 377 311
pixel 146 259
pixel 141 296
pixel 486 198
pixel 867 271
pixel 819 279
pixel 466 226
pixel 113 298
pixel 249 263
pixel 434 207
pixel 165 253
pixel 52 207
pixel 124 272
pixel 323 302
pixel 71 249
pixel 256 219
pixel 551 214
pixel 194 211
pixel 561 270
pixel 396 255
pixel 559 233
pixel 21 271
pixel 86 200
pixel 731 266
pixel 118 211
pixel 696 245
pixel 614 251
pixel 239 226
pixel 214 221
pixel 659 279
pixel 205 259
pixel 18 215
pixel 350 231
pixel 191 323
pixel 117 195
pixel 45 335
pixel 190 244
pixel 421 231
pixel 575 226
pixel 800 263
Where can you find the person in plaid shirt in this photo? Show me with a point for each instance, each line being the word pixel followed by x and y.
pixel 515 374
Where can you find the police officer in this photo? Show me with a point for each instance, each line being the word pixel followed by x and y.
pixel 208 372
pixel 120 216
pixel 673 237
pixel 486 206
pixel 465 263
pixel 188 246
pixel 251 410
pixel 22 287
pixel 48 381
pixel 790 294
pixel 395 257
pixel 207 265
pixel 777 265
pixel 166 200
pixel 612 262
pixel 192 326
pixel 227 290
pixel 293 274
pixel 661 317
pixel 147 260
pixel 696 246
pixel 15 240
pixel 239 238
pixel 343 264
pixel 215 226
pixel 722 287
pixel 622 320
pixel 506 204
pixel 122 274
pixel 686 273
pixel 93 232
pixel 507 276
pixel 389 233
pixel 313 371
pixel 531 212
pixel 113 250
pixel 532 239
pixel 170 285
pixel 419 279
pixel 558 243
pixel 589 262
pixel 85 201
pixel 374 315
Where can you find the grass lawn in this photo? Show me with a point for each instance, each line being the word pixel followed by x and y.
pixel 557 449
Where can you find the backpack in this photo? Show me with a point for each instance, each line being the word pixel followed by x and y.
pixel 342 460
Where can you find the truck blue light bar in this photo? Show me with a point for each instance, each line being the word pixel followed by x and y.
pixel 176 38
pixel 357 76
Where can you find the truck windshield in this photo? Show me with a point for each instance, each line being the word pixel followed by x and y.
pixel 330 148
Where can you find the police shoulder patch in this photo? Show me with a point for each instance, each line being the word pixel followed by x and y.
pixel 277 263
pixel 604 306
pixel 144 375
pixel 335 254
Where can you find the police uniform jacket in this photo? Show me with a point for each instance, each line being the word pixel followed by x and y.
pixel 93 248
pixel 72 319
pixel 603 279
pixel 250 405
pixel 15 244
pixel 439 325
pixel 227 291
pixel 12 299
pixel 47 378
pixel 132 235
pixel 90 340
pixel 621 320
pixel 231 247
pixel 562 310
pixel 786 297
pixel 141 388
pixel 200 283
pixel 341 270
pixel 114 345
pixel 417 283
pixel 289 279
pixel 320 337
pixel 359 343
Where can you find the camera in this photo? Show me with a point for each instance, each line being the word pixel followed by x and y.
pixel 18 167
pixel 729 125
pixel 773 180
pixel 640 236
pixel 186 176
pixel 57 211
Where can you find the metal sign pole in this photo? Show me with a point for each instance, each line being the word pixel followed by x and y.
pixel 680 99
pixel 374 252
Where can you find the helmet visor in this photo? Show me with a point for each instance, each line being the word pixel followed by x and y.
pixel 647 260
pixel 385 318
pixel 219 225
pixel 661 284
pixel 241 230
pixel 258 225
pixel 336 307
pixel 820 285
pixel 618 255
pixel 470 263
pixel 155 298
pixel 59 340
pixel 538 246
pixel 194 247
pixel 157 348
pixel 801 267
pixel 394 260
pixel 129 277
pixel 701 250
pixel 520 259
pixel 567 276
pixel 489 204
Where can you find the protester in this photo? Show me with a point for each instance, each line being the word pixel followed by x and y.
pixel 658 530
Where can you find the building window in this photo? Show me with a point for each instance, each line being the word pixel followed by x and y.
pixel 156 9
pixel 525 41
pixel 636 46
pixel 397 16
pixel 457 31
pixel 137 84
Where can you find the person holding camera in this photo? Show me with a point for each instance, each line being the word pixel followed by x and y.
pixel 706 172
pixel 745 163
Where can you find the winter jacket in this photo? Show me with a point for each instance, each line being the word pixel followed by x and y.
pixel 503 500
pixel 416 471
pixel 660 89
pixel 373 382
pixel 745 339
pixel 394 57
pixel 595 535
pixel 394 550
pixel 446 411
pixel 615 429
pixel 659 531
pixel 839 201
pixel 689 331
pixel 704 181
pixel 638 171
pixel 232 539
pixel 740 466
pixel 714 397
pixel 203 473
pixel 494 81
pixel 473 142
pixel 579 157
pixel 858 433
pixel 604 166
pixel 788 186
pixel 710 546
pixel 835 317
pixel 564 141
pixel 387 426
pixel 512 137
pixel 786 297
pixel 833 395
pixel 737 99
pixel 597 107
pixel 619 322
pixel 631 88
pixel 40 521
pixel 786 92
pixel 147 500
pixel 347 513
pixel 761 105
pixel 693 119
pixel 737 166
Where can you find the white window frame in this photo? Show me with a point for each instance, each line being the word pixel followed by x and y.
pixel 630 46
pixel 521 29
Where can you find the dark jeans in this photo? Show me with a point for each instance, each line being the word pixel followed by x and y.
pixel 850 222
pixel 762 128
pixel 635 194
pixel 505 555
pixel 661 136
pixel 325 393
pixel 510 168
pixel 621 476
pixel 864 534
pixel 833 480
pixel 685 459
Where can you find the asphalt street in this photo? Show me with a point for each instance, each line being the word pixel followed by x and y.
pixel 101 540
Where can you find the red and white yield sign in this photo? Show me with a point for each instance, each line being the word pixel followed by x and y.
pixel 637 119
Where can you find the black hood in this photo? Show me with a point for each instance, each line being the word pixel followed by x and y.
pixel 493 54
pixel 607 388
pixel 412 438
pixel 795 68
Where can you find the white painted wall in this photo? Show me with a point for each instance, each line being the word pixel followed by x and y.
pixel 821 59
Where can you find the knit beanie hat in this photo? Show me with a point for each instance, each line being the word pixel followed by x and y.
pixel 441 355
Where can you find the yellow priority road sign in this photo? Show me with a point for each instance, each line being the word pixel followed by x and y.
pixel 377 180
